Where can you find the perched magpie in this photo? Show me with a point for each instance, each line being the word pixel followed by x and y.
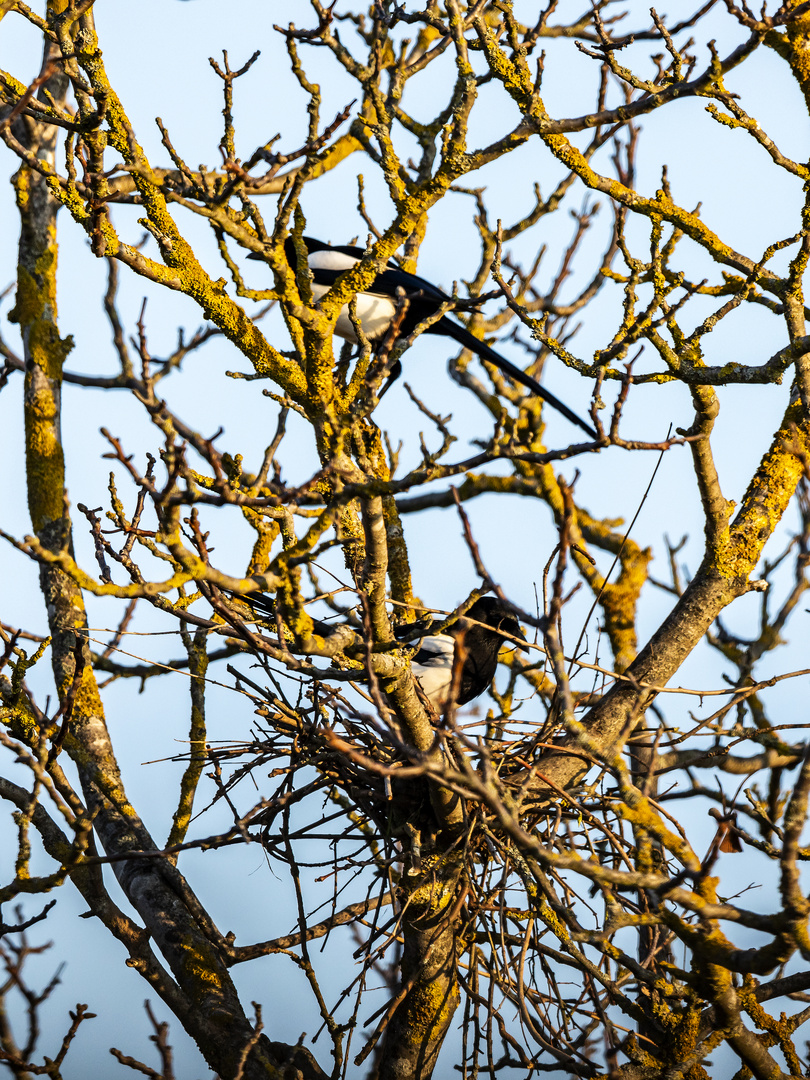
pixel 435 659
pixel 433 664
pixel 377 307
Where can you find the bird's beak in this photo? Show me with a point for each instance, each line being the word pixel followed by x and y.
pixel 515 640
pixel 259 256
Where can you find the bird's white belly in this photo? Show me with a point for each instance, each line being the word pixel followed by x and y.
pixel 436 683
pixel 435 672
pixel 374 312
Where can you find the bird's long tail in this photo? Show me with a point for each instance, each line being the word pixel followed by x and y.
pixel 464 337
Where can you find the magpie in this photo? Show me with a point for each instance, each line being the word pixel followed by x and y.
pixel 377 307
pixel 476 637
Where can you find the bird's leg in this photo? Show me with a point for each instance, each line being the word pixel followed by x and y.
pixel 384 367
pixel 381 368
pixel 342 366
pixel 393 375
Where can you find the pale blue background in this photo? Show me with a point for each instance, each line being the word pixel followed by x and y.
pixel 157 56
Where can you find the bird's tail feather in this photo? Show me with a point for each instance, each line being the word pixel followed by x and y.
pixel 464 337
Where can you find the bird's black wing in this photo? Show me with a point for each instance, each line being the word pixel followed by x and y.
pixel 412 285
pixel 387 283
pixel 476 676
pixel 262 604
pixel 411 632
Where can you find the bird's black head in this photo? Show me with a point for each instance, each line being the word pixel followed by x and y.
pixel 499 616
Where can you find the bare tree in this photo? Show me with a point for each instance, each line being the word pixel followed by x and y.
pixel 535 879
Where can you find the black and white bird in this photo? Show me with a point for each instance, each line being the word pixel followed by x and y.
pixel 474 641
pixel 377 307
